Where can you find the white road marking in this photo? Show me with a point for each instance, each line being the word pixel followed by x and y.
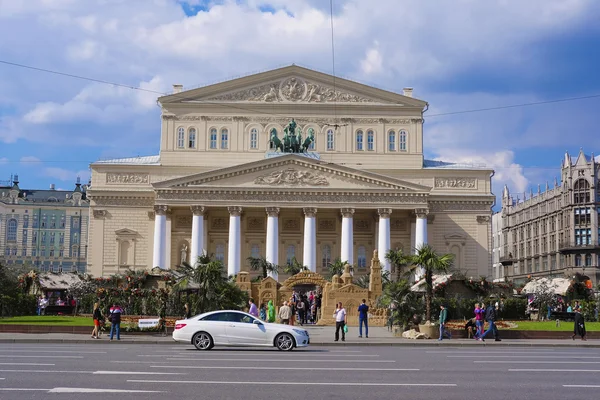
pixel 253 360
pixel 88 390
pixel 553 370
pixel 284 368
pixel 537 362
pixel 22 390
pixel 287 383
pixel 94 372
pixel 55 351
pixel 544 352
pixel 555 356
pixel 294 355
pixel 29 364
pixel 13 356
pixel 582 386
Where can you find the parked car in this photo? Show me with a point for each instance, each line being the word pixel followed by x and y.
pixel 236 328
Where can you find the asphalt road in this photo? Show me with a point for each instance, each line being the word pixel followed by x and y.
pixel 133 371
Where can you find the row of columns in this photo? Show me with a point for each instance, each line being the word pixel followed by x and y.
pixel 272 241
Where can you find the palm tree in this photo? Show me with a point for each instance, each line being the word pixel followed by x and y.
pixel 294 267
pixel 431 262
pixel 405 301
pixel 399 260
pixel 336 267
pixel 261 264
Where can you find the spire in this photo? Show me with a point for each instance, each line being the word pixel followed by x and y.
pixel 530 192
pixel 505 192
pixel 539 189
pixel 567 160
pixel 547 186
pixel 555 182
pixel 15 185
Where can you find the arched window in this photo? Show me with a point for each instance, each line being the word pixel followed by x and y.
pixel 402 141
pixel 180 138
pixel 391 141
pixel 254 138
pixel 359 140
pixel 326 255
pixel 362 257
pixel 220 252
pixel 213 138
pixel 330 140
pixel 290 254
pixel 192 138
pixel 224 138
pixel 370 141
pixel 581 192
pixel 11 230
pixel 254 251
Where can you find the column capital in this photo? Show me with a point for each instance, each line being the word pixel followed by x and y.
pixel 421 212
pixel 310 211
pixel 347 212
pixel 235 211
pixel 272 211
pixel 197 210
pixel 384 212
pixel 160 210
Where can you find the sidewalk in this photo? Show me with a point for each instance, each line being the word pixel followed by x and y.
pixel 319 336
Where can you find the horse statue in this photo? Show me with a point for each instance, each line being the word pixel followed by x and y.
pixel 275 143
pixel 309 140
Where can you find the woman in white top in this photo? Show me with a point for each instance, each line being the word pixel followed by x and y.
pixel 340 322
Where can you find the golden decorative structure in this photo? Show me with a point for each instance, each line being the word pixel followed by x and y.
pixel 339 289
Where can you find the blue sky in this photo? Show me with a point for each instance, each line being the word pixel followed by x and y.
pixel 458 55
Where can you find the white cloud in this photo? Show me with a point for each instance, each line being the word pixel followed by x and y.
pixel 373 62
pixel 29 160
pixel 3 160
pixel 66 175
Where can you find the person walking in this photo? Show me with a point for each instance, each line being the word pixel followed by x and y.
pixel 271 313
pixel 285 313
pixel 363 318
pixel 340 322
pixel 301 311
pixel 579 326
pixel 188 312
pixel 491 315
pixel 97 317
pixel 443 321
pixel 479 320
pixel 115 321
pixel 253 309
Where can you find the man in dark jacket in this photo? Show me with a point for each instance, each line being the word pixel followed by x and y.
pixel 115 321
pixel 491 315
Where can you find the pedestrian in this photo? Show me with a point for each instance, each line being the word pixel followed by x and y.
pixel 115 321
pixel 271 314
pixel 97 317
pixel 262 312
pixel 479 320
pixel 579 326
pixel 491 315
pixel 285 313
pixel 317 306
pixel 340 322
pixel 306 309
pixel 253 309
pixel 43 304
pixel 39 305
pixel 301 311
pixel 292 306
pixel 363 318
pixel 443 322
pixel 188 312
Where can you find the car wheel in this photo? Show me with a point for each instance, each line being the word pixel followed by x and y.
pixel 203 341
pixel 284 342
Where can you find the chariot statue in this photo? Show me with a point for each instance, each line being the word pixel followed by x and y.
pixel 292 139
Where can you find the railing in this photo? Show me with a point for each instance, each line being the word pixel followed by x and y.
pixel 572 245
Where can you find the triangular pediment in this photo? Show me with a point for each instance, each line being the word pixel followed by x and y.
pixel 292 84
pixel 292 171
pixel 125 233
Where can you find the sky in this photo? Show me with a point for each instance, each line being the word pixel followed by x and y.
pixel 458 55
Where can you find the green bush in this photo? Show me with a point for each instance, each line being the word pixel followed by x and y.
pixel 460 308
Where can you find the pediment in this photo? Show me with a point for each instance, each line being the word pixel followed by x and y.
pixel 292 84
pixel 291 172
pixel 125 233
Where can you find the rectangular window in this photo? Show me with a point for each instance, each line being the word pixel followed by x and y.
pixel 402 144
pixel 43 253
pixel 392 141
pixel 52 238
pixel 61 238
pixel 61 252
pixel 224 139
pixel 53 223
pixel 24 252
pixel 359 141
pixel 330 140
pixel 25 221
pixel 24 237
pixel 44 237
pixel 75 222
pixel 62 222
pixel 51 252
pixel 34 238
pixel 34 252
pixel 75 239
pixel 370 141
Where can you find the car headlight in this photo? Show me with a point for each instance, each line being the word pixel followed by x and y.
pixel 301 332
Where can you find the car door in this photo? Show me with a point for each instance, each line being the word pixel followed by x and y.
pixel 242 330
pixel 216 325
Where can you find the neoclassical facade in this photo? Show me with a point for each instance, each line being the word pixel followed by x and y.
pixel 219 185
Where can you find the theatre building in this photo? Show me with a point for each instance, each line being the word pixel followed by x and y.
pixel 289 163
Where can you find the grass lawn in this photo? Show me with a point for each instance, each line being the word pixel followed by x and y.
pixel 551 326
pixel 48 320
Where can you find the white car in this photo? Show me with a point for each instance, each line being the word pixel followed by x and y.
pixel 236 328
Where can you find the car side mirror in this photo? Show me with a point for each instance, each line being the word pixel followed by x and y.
pixel 257 322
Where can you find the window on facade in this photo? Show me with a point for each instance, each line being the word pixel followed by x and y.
pixel 7 251
pixel 224 138
pixel 34 238
pixel 13 251
pixel 53 222
pixel 583 237
pixel 255 251
pixel 62 221
pixel 25 221
pixel 290 254
pixel 220 252
pixel 402 141
pixel 35 221
pixel 581 192
pixel 24 238
pixel 75 238
pixel 43 253
pixel 391 141
pixel 23 251
pixel 330 140
pixel 61 252
pixel 43 237
pixel 588 260
pixel 359 140
pixel 33 252
pixel 181 138
pixel 578 260
pixel 254 138
pixel 326 256
pixel 52 237
pixel 582 216
pixel 362 257
pixel 51 252
pixel 192 138
pixel 213 138
pixel 61 238
pixel 75 222
pixel 11 230
pixel 370 141
pixel 75 251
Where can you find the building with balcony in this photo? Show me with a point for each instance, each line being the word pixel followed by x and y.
pixel 45 229
pixel 554 232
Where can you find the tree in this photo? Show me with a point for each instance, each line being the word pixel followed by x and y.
pixel 294 267
pixel 432 263
pixel 544 296
pixel 261 264
pixel 336 267
pixel 399 260
pixel 364 280
pixel 406 302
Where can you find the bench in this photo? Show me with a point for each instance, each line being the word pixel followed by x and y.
pixel 56 310
pixel 563 316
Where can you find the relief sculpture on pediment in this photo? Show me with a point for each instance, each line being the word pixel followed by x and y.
pixel 292 177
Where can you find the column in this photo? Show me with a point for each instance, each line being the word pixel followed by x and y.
pixel 347 236
pixel 160 237
pixel 272 255
pixel 420 235
pixel 309 255
pixel 383 242
pixel 197 234
pixel 235 241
